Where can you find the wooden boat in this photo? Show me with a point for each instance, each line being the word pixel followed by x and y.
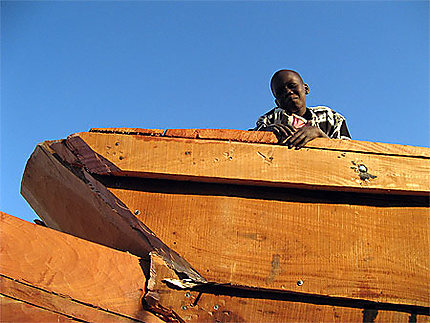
pixel 231 227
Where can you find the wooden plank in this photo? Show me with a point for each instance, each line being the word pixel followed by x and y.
pixel 46 176
pixel 270 138
pixel 194 304
pixel 51 304
pixel 69 199
pixel 318 143
pixel 95 283
pixel 218 209
pixel 12 310
pixel 390 316
pixel 250 164
pixel 273 239
pixel 422 318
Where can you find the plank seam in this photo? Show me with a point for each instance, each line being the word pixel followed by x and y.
pixel 67 298
pixel 44 308
pixel 264 293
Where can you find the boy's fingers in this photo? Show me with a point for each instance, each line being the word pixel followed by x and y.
pixel 302 142
pixel 289 129
pixel 295 136
pixel 285 132
pixel 279 133
pixel 296 139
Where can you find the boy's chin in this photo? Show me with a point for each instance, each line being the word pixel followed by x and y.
pixel 291 110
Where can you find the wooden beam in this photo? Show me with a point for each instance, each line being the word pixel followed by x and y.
pixel 325 243
pixel 353 248
pixel 69 199
pixel 250 164
pixel 34 304
pixel 12 310
pixel 194 304
pixel 69 276
pixel 270 138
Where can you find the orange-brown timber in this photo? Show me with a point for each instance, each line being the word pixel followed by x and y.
pixel 69 276
pixel 71 200
pixel 12 310
pixel 270 138
pixel 358 251
pixel 193 306
pixel 345 222
pixel 251 164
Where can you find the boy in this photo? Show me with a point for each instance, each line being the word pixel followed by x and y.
pixel 293 123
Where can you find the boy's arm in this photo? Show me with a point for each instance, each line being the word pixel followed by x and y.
pixel 344 132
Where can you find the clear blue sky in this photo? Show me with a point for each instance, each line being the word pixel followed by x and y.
pixel 69 66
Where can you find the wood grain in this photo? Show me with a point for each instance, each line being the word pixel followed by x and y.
pixel 46 261
pixel 130 131
pixel 52 303
pixel 197 306
pixel 318 143
pixel 346 250
pixel 69 199
pixel 251 164
pixel 14 311
pixel 270 138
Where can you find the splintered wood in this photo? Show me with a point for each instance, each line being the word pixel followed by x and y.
pixel 233 228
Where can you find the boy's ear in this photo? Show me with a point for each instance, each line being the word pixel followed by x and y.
pixel 306 88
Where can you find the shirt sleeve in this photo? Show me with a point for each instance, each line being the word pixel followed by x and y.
pixel 344 132
pixel 264 121
pixel 339 129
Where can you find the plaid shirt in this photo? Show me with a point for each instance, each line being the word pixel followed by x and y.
pixel 330 122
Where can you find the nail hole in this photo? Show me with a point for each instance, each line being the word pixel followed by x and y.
pixel 362 168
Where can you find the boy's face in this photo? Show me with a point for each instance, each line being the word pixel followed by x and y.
pixel 290 92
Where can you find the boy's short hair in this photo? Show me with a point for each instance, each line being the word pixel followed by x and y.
pixel 276 74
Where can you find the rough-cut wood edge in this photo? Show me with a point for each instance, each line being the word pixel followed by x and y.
pixel 224 134
pixel 130 131
pixel 89 154
pixel 126 232
pixel 270 138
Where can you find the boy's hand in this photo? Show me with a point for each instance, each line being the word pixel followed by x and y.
pixel 281 131
pixel 304 135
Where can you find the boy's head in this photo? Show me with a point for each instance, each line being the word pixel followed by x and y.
pixel 289 91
